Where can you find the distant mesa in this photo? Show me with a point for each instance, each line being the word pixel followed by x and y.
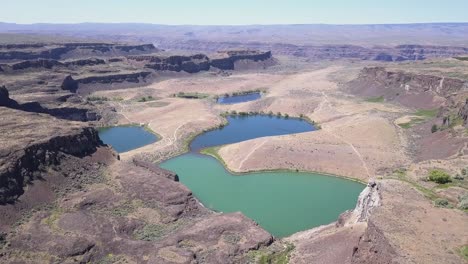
pixel 223 60
pixel 69 50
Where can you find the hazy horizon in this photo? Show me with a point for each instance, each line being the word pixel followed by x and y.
pixel 239 13
pixel 233 25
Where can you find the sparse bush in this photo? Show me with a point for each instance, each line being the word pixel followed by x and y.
pixel 459 177
pixel 434 128
pixel 97 98
pixel 440 202
pixel 278 114
pixel 463 204
pixel 463 172
pixel 439 176
pixel 270 113
pixel 286 116
pixel 233 112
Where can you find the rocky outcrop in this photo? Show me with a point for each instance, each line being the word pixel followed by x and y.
pixel 40 63
pixel 226 60
pixel 156 169
pixel 67 113
pixel 21 164
pixel 58 51
pixel 368 199
pixel 49 53
pixel 324 52
pixel 191 64
pixel 412 90
pixel 373 247
pixel 463 113
pixel 72 85
pixel 5 99
pixel 49 64
pixel 84 62
pixel 69 84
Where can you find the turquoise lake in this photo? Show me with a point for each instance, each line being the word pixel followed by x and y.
pixel 281 202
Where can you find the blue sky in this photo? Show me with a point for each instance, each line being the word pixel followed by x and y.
pixel 234 12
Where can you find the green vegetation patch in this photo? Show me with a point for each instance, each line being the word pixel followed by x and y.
pixel 461 58
pixel 464 252
pixel 195 95
pixel 419 117
pixel 441 202
pixel 414 121
pixel 439 176
pixel 126 208
pixel 463 204
pixel 427 113
pixel 264 257
pixel 154 232
pixel 96 99
pixel 428 193
pixel 146 99
pixel 377 99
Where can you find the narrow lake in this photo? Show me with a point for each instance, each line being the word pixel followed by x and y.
pixel 234 99
pixel 281 202
pixel 126 138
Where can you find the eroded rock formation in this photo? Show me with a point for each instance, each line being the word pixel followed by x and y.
pixel 412 90
pixel 226 60
pixel 191 64
pixel 72 85
pixel 324 52
pixel 59 51
pixel 463 113
pixel 22 163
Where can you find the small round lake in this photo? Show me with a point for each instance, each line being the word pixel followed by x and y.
pixel 234 99
pixel 126 138
pixel 281 202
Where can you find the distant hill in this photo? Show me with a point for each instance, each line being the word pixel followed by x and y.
pixel 454 34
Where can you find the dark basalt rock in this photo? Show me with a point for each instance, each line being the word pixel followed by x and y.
pixel 200 62
pixel 5 99
pixel 409 89
pixel 227 60
pixel 191 64
pixel 72 85
pixel 49 64
pixel 20 168
pixel 69 84
pixel 463 113
pixel 84 62
pixel 67 113
pixel 39 63
pixel 43 51
pixel 156 169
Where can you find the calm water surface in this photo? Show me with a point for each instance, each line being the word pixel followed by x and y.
pixel 126 138
pixel 239 98
pixel 281 202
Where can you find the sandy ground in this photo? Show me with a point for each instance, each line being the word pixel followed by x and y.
pixel 357 139
pixel 361 135
pixel 415 228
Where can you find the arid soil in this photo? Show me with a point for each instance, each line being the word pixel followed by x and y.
pixel 92 205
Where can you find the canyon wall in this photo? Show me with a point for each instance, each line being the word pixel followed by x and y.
pixel 60 51
pixel 409 89
pixel 324 52
pixel 22 163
